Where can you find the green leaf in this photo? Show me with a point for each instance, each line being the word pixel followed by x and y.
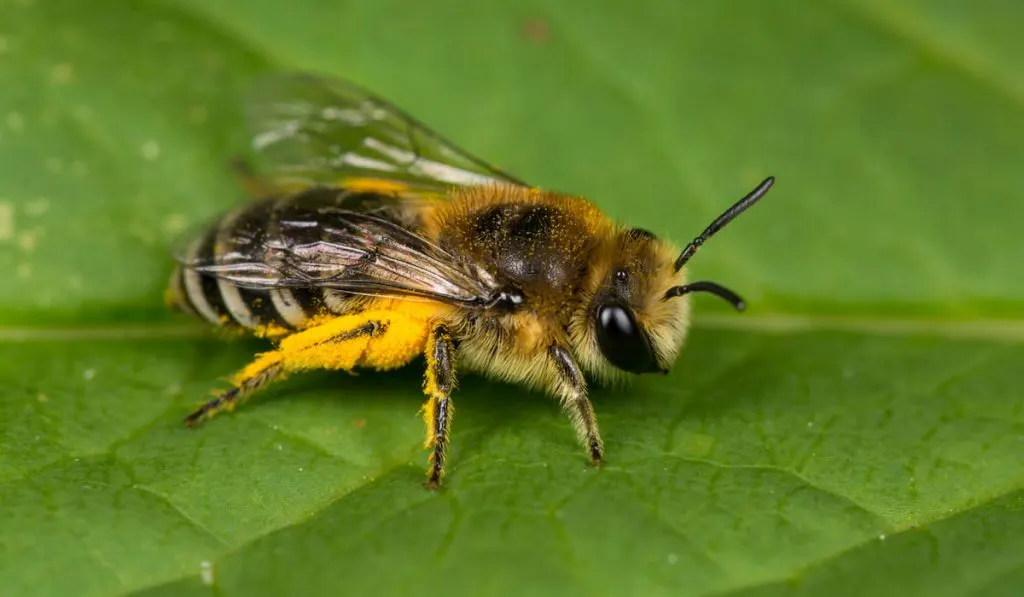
pixel 860 430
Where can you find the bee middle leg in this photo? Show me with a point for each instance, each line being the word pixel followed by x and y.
pixel 572 390
pixel 438 410
pixel 337 344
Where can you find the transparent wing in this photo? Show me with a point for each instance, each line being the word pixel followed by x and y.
pixel 330 247
pixel 308 129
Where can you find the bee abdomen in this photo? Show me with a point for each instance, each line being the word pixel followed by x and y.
pixel 198 293
pixel 223 303
pixel 243 232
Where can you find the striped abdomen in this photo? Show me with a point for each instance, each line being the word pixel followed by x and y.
pixel 279 310
pixel 224 304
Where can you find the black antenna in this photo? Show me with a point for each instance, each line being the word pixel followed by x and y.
pixel 720 222
pixel 704 286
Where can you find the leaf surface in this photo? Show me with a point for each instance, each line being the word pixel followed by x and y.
pixel 861 428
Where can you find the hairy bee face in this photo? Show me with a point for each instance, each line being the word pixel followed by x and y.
pixel 629 324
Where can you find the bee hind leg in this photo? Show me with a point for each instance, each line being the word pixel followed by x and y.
pixel 438 384
pixel 229 399
pixel 337 344
pixel 572 389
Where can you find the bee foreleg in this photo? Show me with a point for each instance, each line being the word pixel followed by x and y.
pixel 572 389
pixel 328 346
pixel 438 410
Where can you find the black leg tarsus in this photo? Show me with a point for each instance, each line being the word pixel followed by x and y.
pixel 596 453
pixel 205 411
pixel 573 393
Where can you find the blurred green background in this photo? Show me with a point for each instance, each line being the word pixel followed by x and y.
pixel 860 428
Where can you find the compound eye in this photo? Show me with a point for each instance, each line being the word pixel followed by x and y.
pixel 623 342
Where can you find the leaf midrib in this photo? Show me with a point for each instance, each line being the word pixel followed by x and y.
pixel 1004 330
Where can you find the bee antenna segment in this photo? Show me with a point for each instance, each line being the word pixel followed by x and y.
pixel 739 207
pixel 704 286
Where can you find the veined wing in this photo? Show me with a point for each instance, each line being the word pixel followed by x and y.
pixel 313 241
pixel 308 129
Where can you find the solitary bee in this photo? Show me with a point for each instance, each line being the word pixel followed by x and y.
pixel 377 240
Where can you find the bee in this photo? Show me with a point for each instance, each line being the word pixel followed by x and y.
pixel 374 240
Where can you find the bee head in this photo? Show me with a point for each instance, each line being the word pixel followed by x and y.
pixel 639 310
pixel 632 328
